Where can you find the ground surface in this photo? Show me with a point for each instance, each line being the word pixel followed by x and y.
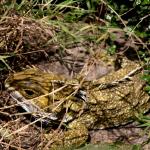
pixel 27 43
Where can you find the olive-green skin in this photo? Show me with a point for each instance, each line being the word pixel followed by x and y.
pixel 101 108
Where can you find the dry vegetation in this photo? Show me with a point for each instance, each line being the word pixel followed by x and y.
pixel 25 42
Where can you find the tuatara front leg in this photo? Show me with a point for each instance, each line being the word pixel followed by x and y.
pixel 75 136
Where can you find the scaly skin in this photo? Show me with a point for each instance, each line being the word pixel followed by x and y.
pixel 100 108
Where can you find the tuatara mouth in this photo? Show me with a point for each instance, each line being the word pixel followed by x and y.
pixel 38 113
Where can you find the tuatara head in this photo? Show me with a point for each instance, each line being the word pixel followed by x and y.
pixel 44 95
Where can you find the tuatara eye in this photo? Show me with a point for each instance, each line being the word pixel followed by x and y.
pixel 30 93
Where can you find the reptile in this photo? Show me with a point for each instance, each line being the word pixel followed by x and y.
pixel 112 100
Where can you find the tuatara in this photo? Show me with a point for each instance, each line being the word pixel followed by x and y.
pixel 112 100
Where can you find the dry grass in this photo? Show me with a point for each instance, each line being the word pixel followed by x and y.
pixel 25 41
